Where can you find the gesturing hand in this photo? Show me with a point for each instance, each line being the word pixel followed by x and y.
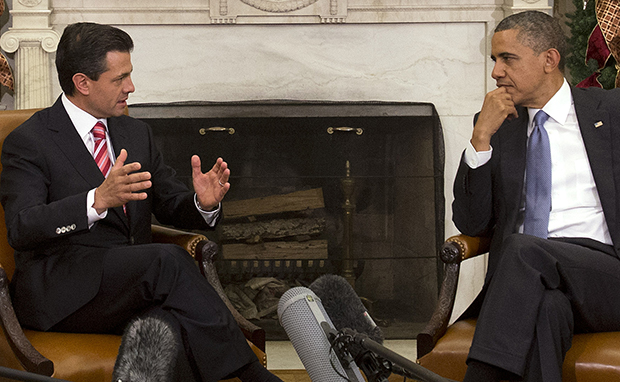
pixel 122 185
pixel 210 187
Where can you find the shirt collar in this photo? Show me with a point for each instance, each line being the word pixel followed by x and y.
pixel 83 121
pixel 558 107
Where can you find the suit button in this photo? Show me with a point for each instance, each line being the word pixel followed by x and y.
pixel 132 240
pixel 58 231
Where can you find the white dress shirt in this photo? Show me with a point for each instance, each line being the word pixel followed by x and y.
pixel 576 209
pixel 84 123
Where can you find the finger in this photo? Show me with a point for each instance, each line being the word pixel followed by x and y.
pixel 224 190
pixel 135 196
pixel 196 166
pixel 140 186
pixel 225 176
pixel 217 167
pixel 130 168
pixel 137 177
pixel 120 159
pixel 223 171
pixel 513 114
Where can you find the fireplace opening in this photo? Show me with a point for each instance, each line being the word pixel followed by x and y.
pixel 349 188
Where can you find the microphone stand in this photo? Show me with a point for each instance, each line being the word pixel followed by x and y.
pixel 375 360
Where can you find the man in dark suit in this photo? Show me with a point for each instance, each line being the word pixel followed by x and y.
pixel 553 264
pixel 78 204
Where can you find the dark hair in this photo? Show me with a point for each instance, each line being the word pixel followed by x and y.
pixel 83 48
pixel 538 31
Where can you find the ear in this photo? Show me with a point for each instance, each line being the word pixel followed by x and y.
pixel 81 82
pixel 552 60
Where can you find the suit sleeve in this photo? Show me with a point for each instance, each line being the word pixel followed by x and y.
pixel 472 208
pixel 32 216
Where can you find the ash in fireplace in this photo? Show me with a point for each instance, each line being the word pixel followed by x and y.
pixel 258 298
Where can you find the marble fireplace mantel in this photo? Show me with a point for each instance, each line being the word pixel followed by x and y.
pixel 33 34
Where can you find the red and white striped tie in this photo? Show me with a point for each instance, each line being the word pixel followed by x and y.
pixel 101 149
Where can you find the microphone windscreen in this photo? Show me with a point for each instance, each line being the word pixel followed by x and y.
pixel 344 306
pixel 300 313
pixel 148 351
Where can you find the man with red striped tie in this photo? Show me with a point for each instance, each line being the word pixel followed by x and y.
pixel 80 181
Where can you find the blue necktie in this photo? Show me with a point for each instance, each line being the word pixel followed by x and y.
pixel 538 180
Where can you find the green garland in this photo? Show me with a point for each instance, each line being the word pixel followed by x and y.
pixel 581 24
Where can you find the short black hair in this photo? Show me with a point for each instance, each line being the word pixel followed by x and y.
pixel 538 31
pixel 83 48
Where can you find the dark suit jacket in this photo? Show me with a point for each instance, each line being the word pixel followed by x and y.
pixel 487 199
pixel 47 172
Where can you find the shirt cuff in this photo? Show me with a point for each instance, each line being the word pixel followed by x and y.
pixel 475 159
pixel 210 217
pixel 91 212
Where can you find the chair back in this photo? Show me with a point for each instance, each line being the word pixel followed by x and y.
pixel 9 120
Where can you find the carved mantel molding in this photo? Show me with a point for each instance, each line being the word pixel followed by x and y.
pixel 201 12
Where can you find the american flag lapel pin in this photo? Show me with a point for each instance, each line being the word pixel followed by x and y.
pixel 598 124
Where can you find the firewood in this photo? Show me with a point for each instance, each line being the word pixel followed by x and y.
pixel 283 250
pixel 272 229
pixel 295 201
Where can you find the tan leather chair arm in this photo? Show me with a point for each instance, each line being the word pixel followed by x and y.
pixel 27 355
pixel 454 250
pixel 188 240
pixel 462 247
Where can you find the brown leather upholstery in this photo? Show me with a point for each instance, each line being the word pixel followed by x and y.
pixel 86 357
pixel 593 357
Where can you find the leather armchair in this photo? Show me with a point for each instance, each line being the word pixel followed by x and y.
pixel 443 348
pixel 88 357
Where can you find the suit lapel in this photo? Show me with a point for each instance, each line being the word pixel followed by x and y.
pixel 120 141
pixel 70 143
pixel 513 141
pixel 597 136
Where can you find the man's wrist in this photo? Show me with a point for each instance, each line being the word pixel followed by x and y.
pixel 99 210
pixel 92 214
pixel 200 207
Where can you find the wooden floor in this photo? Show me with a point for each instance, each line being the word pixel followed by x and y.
pixel 292 375
pixel 302 376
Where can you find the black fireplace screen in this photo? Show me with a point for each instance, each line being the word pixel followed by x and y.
pixel 321 187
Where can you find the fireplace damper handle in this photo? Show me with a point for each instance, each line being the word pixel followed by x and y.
pixel 204 130
pixel 358 131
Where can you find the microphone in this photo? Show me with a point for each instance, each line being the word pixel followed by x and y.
pixel 148 351
pixel 344 306
pixel 307 325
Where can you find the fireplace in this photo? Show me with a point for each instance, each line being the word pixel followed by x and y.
pixel 363 180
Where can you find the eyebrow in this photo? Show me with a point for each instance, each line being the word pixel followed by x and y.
pixel 504 55
pixel 124 75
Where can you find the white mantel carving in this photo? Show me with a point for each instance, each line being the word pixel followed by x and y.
pixel 202 12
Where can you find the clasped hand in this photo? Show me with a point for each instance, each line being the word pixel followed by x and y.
pixel 498 105
pixel 125 183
